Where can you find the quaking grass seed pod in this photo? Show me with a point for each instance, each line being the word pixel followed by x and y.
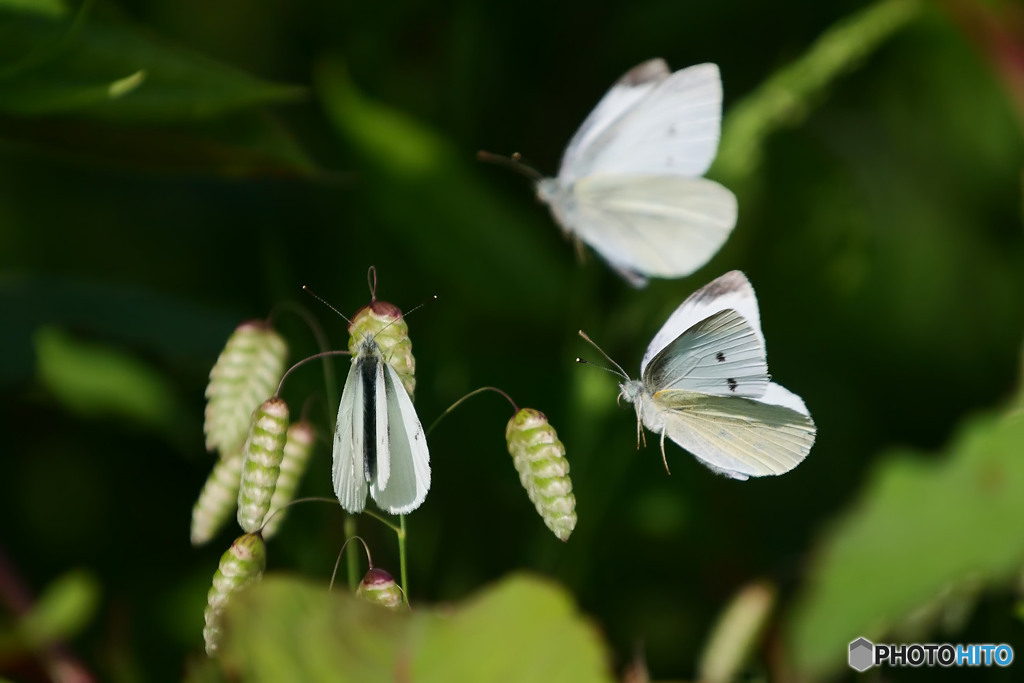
pixel 539 458
pixel 261 464
pixel 379 587
pixel 218 498
pixel 247 371
pixel 385 324
pixel 297 448
pixel 242 564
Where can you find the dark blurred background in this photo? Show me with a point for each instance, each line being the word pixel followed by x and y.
pixel 880 223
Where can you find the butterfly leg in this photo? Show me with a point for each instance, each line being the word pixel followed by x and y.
pixel 663 458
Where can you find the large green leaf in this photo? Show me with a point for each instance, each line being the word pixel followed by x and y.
pixel 521 629
pixel 921 529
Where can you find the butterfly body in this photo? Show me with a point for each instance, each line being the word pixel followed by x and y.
pixel 629 183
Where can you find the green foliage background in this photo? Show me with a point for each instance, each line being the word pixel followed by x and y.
pixel 169 169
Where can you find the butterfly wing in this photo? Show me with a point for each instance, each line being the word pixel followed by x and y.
pixel 380 413
pixel 740 437
pixel 664 125
pixel 730 291
pixel 721 355
pixel 347 470
pixel 409 480
pixel 627 92
pixel 651 225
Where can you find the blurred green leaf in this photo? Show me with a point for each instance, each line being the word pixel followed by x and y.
pixel 788 95
pixel 417 180
pixel 920 529
pixel 64 608
pixel 521 629
pixel 49 8
pixel 80 73
pixel 95 380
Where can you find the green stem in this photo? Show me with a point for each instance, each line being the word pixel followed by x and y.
pixel 351 554
pixel 330 384
pixel 468 396
pixel 401 560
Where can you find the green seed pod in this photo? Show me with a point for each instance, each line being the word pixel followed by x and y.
pixel 539 457
pixel 379 587
pixel 297 448
pixel 247 370
pixel 217 499
pixel 261 464
pixel 394 344
pixel 243 563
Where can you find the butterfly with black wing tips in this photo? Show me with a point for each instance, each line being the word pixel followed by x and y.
pixel 630 181
pixel 705 385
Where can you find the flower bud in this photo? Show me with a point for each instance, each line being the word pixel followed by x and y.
pixel 242 564
pixel 247 370
pixel 261 464
pixel 297 447
pixel 217 500
pixel 379 587
pixel 539 458
pixel 383 322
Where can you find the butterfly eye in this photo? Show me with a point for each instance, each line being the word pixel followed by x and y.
pixel 539 458
pixel 217 499
pixel 297 447
pixel 379 587
pixel 384 323
pixel 261 462
pixel 242 564
pixel 251 365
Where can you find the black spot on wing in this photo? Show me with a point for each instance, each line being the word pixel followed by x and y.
pixel 720 357
pixel 732 384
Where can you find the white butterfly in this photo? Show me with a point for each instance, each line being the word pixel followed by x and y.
pixel 705 384
pixel 630 182
pixel 378 442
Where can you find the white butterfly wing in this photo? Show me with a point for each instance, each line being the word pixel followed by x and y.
pixel 673 129
pixel 347 469
pixel 626 94
pixel 651 225
pixel 740 437
pixel 409 481
pixel 721 355
pixel 730 291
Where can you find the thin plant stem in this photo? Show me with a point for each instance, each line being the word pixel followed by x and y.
pixel 330 383
pixel 337 562
pixel 468 396
pixel 307 359
pixel 352 556
pixel 401 560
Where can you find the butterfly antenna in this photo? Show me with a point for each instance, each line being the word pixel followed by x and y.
pixel 401 316
pixel 621 372
pixel 324 302
pixel 514 162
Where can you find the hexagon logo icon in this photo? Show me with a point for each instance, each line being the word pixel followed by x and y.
pixel 862 654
